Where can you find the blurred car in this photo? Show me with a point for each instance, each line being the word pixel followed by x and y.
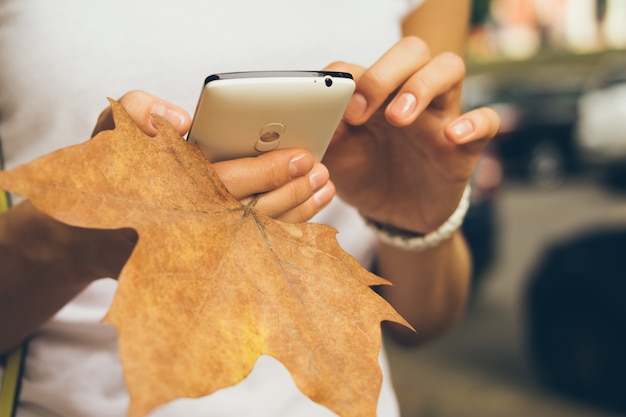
pixel 600 130
pixel 576 316
pixel 538 109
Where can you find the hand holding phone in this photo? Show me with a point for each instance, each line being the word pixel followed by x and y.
pixel 245 114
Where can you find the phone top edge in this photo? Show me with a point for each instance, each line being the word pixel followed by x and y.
pixel 268 74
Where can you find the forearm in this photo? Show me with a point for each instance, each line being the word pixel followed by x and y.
pixel 442 24
pixel 29 295
pixel 44 264
pixel 429 288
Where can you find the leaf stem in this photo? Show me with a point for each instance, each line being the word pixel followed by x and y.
pixel 249 208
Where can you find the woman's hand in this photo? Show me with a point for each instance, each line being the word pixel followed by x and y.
pixel 294 186
pixel 403 154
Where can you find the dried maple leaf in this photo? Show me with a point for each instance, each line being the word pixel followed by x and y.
pixel 213 284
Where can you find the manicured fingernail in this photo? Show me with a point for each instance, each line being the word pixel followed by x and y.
pixel 461 129
pixel 299 165
pixel 318 177
pixel 173 115
pixel 357 106
pixel 403 105
pixel 324 196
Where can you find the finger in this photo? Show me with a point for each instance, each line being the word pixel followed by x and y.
pixel 375 84
pixel 436 84
pixel 245 177
pixel 478 125
pixel 140 107
pixel 297 201
pixel 310 207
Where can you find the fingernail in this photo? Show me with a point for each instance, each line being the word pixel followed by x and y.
pixel 318 177
pixel 324 196
pixel 299 165
pixel 403 105
pixel 461 129
pixel 357 106
pixel 173 115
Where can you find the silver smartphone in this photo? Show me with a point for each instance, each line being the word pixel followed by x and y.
pixel 243 114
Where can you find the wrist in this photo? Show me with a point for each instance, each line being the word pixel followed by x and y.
pixel 417 242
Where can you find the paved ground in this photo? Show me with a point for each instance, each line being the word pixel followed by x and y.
pixel 481 369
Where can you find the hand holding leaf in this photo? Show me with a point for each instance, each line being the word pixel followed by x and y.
pixel 213 284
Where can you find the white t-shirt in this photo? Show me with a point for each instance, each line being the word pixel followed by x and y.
pixel 61 59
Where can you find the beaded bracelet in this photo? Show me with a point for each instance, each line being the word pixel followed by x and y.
pixel 416 242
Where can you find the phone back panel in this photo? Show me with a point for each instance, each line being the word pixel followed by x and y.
pixel 247 116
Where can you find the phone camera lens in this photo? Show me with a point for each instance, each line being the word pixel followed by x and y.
pixel 328 81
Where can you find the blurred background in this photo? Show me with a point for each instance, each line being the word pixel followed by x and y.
pixel 545 331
